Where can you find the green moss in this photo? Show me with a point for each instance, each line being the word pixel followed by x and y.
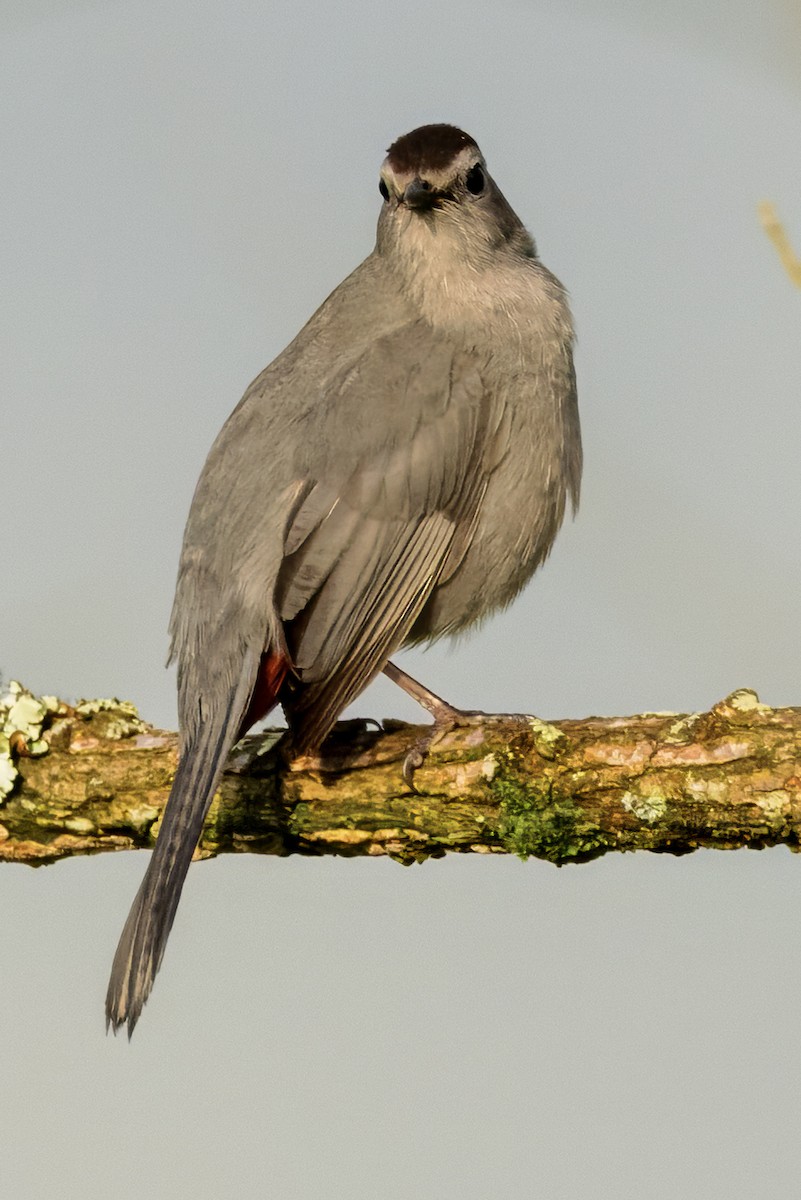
pixel 542 820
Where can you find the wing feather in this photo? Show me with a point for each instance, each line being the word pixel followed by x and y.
pixel 397 599
pixel 380 514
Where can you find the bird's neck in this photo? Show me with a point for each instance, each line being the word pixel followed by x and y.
pixel 483 298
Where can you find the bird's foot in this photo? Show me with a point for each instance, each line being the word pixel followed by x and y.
pixel 446 718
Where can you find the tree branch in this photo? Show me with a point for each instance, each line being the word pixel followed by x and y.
pixel 95 777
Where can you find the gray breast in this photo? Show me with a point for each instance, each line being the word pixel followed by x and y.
pixel 524 503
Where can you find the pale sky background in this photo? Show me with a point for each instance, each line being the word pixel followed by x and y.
pixel 182 184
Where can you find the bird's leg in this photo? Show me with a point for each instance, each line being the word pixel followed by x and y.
pixel 433 703
pixel 446 717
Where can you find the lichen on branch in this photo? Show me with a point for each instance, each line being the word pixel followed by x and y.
pixel 93 776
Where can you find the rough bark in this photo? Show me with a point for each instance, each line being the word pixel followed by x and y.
pixel 95 777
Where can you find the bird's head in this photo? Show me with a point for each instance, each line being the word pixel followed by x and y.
pixel 440 200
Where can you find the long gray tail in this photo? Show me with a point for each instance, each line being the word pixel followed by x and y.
pixel 141 946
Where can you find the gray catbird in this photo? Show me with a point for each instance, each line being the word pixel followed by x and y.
pixel 396 474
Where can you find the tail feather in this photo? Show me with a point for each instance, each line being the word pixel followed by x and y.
pixel 142 943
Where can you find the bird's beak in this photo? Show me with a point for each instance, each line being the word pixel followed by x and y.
pixel 419 194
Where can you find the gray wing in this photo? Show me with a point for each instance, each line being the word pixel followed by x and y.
pixel 394 473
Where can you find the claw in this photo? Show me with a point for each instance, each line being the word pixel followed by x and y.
pixel 414 759
pixel 446 718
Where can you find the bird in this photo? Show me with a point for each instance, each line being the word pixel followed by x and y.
pixel 394 476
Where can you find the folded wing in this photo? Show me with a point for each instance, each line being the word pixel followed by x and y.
pixel 393 480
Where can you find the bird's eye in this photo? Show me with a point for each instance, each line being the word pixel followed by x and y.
pixel 475 180
pixel 383 189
